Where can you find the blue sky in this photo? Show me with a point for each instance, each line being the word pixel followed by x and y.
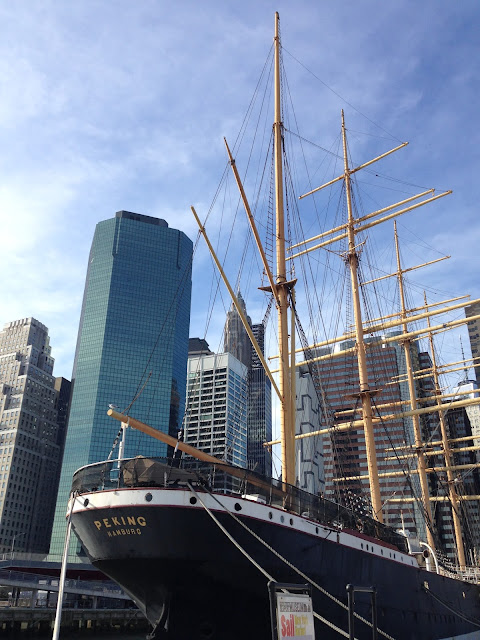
pixel 124 105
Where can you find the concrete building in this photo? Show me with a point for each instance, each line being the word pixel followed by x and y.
pixel 31 436
pixel 474 335
pixel 462 422
pixel 346 471
pixel 259 405
pixel 132 344
pixel 309 451
pixel 467 481
pixel 216 413
pixel 236 340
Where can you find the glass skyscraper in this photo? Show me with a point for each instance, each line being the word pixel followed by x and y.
pixel 132 344
pixel 259 415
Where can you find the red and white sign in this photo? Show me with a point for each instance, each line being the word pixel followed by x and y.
pixel 294 616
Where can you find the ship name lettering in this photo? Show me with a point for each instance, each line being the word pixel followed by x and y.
pixel 118 521
pixel 124 532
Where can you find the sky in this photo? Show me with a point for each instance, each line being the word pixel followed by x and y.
pixel 123 105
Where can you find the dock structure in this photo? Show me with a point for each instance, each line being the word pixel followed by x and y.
pixel 28 598
pixel 18 621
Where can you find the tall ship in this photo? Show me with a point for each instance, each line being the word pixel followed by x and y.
pixel 195 540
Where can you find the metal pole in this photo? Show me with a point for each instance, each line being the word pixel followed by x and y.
pixel 16 535
pixel 351 601
pixel 121 448
pixel 374 615
pixel 61 585
pixel 350 593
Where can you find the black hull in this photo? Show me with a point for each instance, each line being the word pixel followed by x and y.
pixel 185 574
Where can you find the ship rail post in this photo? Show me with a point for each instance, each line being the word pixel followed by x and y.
pixel 351 590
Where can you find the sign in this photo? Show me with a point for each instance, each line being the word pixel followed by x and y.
pixel 294 616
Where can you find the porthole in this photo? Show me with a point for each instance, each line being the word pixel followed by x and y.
pixel 291 521
pixel 282 519
pixel 238 507
pixel 361 544
pixel 270 515
pixel 316 529
pixel 85 502
pixel 148 497
pixel 193 500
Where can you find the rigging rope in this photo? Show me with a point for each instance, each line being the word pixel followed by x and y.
pixel 341 98
pixel 254 562
pixel 289 564
pixel 473 621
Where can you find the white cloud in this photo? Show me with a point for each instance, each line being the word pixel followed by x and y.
pixel 123 106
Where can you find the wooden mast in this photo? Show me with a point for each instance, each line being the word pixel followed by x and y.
pixel 406 343
pixel 365 392
pixel 287 429
pixel 448 460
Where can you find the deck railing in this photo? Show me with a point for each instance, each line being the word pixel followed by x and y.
pixel 223 478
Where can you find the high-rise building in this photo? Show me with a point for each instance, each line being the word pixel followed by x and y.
pixel 132 344
pixel 461 423
pixel 346 470
pixel 259 404
pixel 63 391
pixel 31 442
pixel 216 413
pixel 236 340
pixel 474 335
pixel 198 347
pixel 309 451
pixel 259 409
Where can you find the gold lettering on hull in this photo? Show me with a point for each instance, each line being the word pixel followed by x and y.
pixel 124 532
pixel 118 525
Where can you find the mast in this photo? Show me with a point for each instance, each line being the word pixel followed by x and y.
pixel 406 343
pixel 287 428
pixel 365 392
pixel 448 460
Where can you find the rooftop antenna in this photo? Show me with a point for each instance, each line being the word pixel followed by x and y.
pixel 463 358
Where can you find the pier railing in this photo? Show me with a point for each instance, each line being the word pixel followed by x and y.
pixel 227 479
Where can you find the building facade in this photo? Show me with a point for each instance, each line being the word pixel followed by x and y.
pixel 462 423
pixel 132 344
pixel 346 469
pixel 236 340
pixel 31 439
pixel 309 451
pixel 259 409
pixel 259 404
pixel 216 413
pixel 474 336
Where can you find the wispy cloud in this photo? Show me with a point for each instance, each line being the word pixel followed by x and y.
pixel 124 105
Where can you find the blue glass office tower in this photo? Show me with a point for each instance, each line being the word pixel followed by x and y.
pixel 132 343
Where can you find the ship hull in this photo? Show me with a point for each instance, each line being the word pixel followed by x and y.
pixel 192 581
